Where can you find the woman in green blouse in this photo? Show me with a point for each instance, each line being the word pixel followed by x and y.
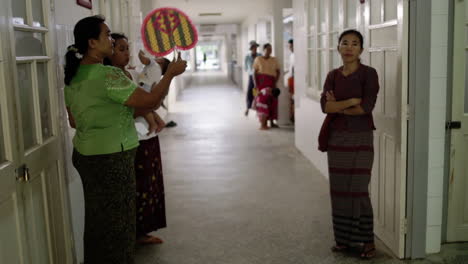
pixel 101 102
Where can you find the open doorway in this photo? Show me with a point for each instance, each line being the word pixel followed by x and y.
pixel 208 57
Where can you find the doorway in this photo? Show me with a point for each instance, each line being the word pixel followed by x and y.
pixel 208 56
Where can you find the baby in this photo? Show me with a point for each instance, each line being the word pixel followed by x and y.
pixel 152 118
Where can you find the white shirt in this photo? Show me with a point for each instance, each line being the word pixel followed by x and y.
pixel 142 127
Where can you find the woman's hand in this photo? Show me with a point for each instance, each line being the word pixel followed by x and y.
pixel 334 106
pixel 330 96
pixel 177 66
pixel 356 101
pixel 143 59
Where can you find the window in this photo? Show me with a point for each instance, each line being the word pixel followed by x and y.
pixel 383 11
pixel 324 27
pixel 311 47
pixel 33 70
pixel 351 14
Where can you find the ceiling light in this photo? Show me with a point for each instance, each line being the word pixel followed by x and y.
pixel 209 14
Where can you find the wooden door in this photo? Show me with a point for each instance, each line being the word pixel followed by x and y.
pixel 384 37
pixel 33 175
pixel 457 223
pixel 12 228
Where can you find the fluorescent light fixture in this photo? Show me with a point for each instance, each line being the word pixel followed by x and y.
pixel 210 14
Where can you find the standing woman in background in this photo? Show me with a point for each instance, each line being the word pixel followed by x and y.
pixel 101 102
pixel 266 76
pixel 349 96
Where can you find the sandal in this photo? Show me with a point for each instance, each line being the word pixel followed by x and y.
pixel 150 240
pixel 368 253
pixel 339 248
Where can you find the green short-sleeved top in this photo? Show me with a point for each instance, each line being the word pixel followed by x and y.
pixel 96 98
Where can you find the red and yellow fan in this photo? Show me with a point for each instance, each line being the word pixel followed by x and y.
pixel 166 29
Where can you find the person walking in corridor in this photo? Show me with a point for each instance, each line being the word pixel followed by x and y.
pixel 266 76
pixel 101 101
pixel 291 80
pixel 150 202
pixel 349 96
pixel 248 66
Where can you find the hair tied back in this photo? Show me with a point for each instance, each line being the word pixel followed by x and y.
pixel 78 55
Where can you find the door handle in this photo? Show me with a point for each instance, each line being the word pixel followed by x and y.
pixel 22 173
pixel 453 125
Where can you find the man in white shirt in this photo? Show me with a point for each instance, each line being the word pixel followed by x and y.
pixel 249 59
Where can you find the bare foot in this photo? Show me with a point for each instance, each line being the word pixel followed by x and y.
pixel 263 128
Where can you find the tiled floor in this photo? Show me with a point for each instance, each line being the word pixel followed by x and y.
pixel 237 195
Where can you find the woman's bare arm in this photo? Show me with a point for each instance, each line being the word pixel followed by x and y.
pixel 142 99
pixel 152 100
pixel 354 110
pixel 339 106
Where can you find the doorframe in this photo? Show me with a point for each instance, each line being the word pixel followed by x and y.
pixel 448 134
pixel 420 14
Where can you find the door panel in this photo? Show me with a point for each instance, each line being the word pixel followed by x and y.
pixel 24 77
pixel 2 138
pixel 29 44
pixel 377 60
pixel 387 191
pixel 33 211
pixel 44 100
pixel 36 220
pixel 384 37
pixel 457 220
pixel 391 100
pixel 10 249
pixel 58 221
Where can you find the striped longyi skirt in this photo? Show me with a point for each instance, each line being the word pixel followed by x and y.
pixel 350 159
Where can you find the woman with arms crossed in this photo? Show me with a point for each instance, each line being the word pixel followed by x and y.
pixel 349 96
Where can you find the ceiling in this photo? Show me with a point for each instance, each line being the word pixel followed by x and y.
pixel 233 11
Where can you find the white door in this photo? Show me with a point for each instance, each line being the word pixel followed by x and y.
pixel 33 206
pixel 457 224
pixel 12 231
pixel 384 37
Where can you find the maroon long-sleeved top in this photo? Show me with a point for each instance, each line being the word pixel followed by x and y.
pixel 364 84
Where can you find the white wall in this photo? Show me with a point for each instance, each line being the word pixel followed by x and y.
pixel 437 105
pixel 67 13
pixel 309 115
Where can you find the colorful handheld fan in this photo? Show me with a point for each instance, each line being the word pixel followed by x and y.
pixel 166 29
